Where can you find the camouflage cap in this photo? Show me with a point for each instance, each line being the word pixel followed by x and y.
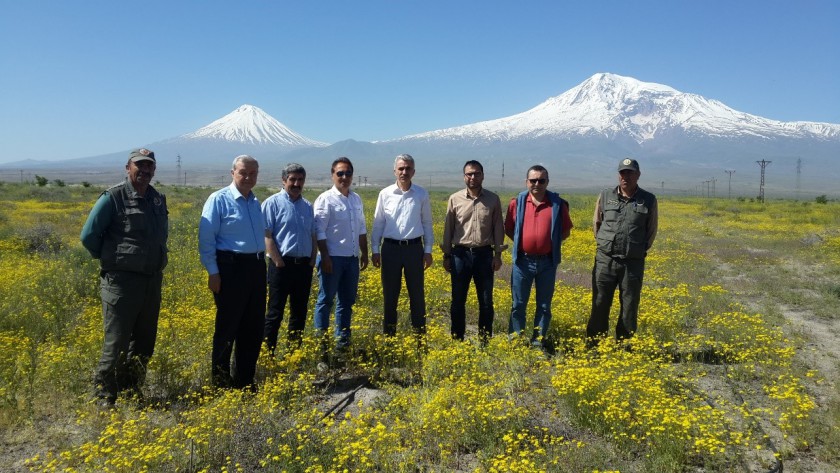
pixel 628 163
pixel 142 154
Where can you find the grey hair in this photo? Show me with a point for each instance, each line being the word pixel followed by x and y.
pixel 292 168
pixel 404 157
pixel 245 159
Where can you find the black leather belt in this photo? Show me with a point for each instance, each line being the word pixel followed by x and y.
pixel 225 255
pixel 477 249
pixel 413 241
pixel 296 259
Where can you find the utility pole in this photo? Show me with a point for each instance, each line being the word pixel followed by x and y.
pixel 178 170
pixel 798 176
pixel 730 172
pixel 713 180
pixel 502 183
pixel 763 163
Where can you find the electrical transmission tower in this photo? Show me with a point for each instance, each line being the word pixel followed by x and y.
pixel 178 170
pixel 730 172
pixel 763 163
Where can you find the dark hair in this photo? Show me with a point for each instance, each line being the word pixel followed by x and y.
pixel 342 159
pixel 474 163
pixel 536 167
pixel 292 168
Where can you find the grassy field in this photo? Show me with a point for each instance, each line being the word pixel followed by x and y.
pixel 734 367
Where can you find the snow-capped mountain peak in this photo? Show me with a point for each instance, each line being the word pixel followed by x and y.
pixel 251 125
pixel 613 106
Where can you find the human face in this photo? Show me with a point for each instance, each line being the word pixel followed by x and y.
pixel 245 176
pixel 628 180
pixel 404 170
pixel 342 177
pixel 294 184
pixel 473 177
pixel 140 174
pixel 537 183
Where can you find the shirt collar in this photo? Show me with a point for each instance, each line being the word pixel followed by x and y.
pixel 237 194
pixel 469 196
pixel 397 189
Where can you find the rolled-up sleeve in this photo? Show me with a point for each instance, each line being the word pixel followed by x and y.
pixel 208 227
pixel 321 209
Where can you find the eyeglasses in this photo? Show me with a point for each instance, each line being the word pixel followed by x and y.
pixel 405 168
pixel 344 173
pixel 537 181
pixel 473 174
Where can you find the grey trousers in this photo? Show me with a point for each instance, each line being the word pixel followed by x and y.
pixel 607 274
pixel 130 309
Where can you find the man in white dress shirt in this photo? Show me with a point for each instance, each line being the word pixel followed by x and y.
pixel 342 242
pixel 402 244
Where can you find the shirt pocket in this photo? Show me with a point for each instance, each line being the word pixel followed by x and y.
pixel 340 211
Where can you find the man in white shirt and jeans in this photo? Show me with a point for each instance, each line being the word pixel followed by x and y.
pixel 402 225
pixel 342 242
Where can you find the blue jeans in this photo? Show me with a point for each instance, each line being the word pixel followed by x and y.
pixel 344 282
pixel 538 271
pixel 476 265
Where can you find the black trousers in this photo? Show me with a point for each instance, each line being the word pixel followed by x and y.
pixel 240 314
pixel 399 260
pixel 292 282
pixel 472 265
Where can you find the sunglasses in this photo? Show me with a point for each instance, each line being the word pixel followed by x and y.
pixel 344 173
pixel 537 181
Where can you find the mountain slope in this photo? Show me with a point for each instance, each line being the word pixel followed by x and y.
pixel 251 125
pixel 613 106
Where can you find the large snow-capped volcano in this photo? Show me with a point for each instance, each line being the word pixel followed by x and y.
pixel 614 106
pixel 251 125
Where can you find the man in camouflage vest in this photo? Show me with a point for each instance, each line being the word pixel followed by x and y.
pixel 126 231
pixel 625 224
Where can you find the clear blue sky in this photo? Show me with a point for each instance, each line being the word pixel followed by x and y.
pixel 93 77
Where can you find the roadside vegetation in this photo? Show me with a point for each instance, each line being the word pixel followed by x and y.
pixel 733 368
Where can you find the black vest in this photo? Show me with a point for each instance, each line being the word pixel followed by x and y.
pixel 136 239
pixel 623 231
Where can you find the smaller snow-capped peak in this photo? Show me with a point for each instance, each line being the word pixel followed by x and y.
pixel 250 124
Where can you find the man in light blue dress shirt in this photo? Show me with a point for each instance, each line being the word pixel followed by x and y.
pixel 402 244
pixel 342 241
pixel 231 244
pixel 290 243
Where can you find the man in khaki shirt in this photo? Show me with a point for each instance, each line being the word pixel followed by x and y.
pixel 473 238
